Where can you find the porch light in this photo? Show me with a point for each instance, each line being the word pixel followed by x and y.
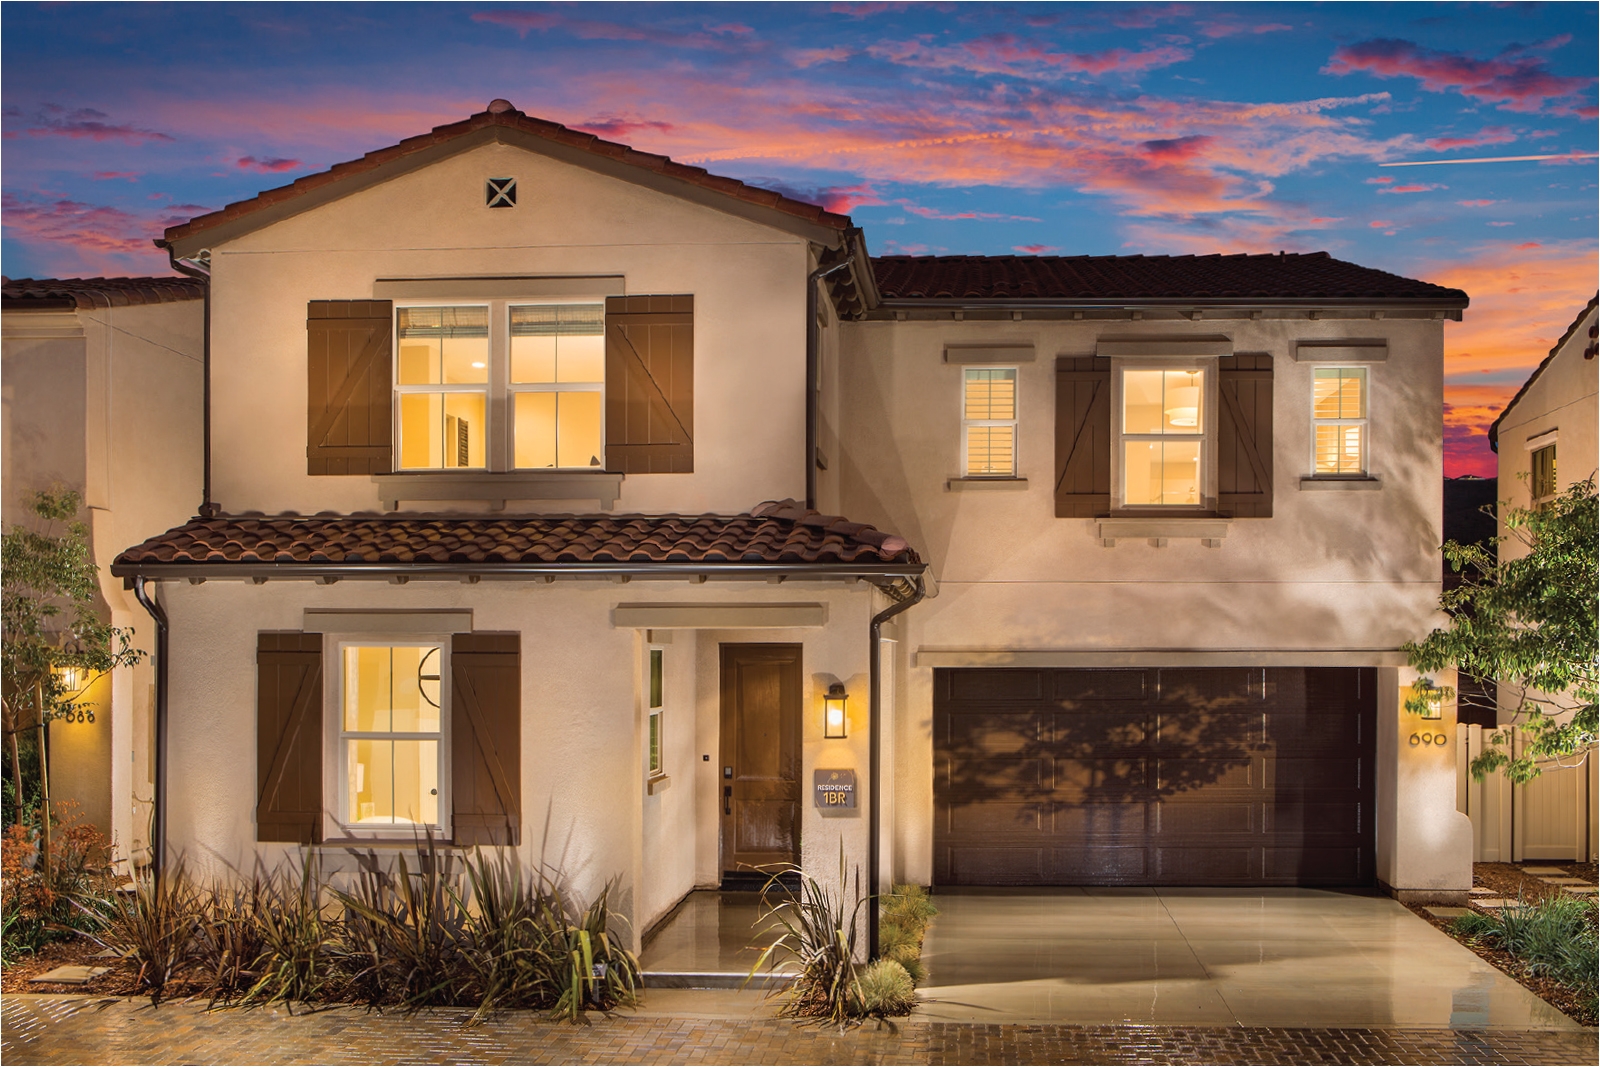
pixel 1434 703
pixel 1183 403
pixel 72 679
pixel 833 716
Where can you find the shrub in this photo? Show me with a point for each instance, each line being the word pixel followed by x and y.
pixel 403 933
pixel 156 926
pixel 818 933
pixel 72 898
pixel 886 989
pixel 1555 937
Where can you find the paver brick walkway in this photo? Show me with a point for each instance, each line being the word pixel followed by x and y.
pixel 57 1029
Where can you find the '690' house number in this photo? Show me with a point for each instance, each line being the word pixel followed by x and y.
pixel 834 788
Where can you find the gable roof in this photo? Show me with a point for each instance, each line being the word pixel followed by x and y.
pixel 1494 427
pixel 67 294
pixel 1179 280
pixel 776 537
pixel 502 122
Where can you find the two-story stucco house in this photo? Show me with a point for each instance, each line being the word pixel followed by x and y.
pixel 527 451
pixel 102 383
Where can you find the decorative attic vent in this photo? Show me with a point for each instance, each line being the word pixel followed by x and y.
pixel 501 192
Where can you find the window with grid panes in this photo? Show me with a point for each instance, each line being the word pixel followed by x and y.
pixel 1542 480
pixel 657 704
pixel 1339 421
pixel 989 422
pixel 1163 436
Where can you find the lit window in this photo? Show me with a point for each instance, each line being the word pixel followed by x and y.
pixel 391 722
pixel 545 373
pixel 989 422
pixel 656 705
pixel 1339 420
pixel 1542 481
pixel 1163 437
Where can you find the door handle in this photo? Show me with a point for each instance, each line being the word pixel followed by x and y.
pixel 727 800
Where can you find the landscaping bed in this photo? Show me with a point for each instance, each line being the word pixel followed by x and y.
pixel 1508 880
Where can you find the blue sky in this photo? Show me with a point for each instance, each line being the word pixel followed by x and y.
pixel 983 128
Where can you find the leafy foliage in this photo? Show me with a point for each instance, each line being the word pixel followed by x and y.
pixel 41 903
pixel 1555 937
pixel 815 930
pixel 1530 624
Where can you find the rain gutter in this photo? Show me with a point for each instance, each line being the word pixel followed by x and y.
pixel 158 834
pixel 875 751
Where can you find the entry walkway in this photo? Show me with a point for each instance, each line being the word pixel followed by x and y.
pixel 1210 958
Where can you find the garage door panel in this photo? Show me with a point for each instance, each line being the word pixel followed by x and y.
pixel 1175 776
pixel 1111 865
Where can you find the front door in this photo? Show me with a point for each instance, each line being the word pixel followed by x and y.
pixel 760 779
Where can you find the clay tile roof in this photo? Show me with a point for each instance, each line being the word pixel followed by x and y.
pixel 781 532
pixel 1308 276
pixel 502 114
pixel 57 294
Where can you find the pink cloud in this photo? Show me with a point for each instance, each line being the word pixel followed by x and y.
pixel 73 237
pixel 1004 53
pixel 1230 27
pixel 841 199
pixel 1378 224
pixel 85 123
pixel 736 29
pixel 935 213
pixel 866 10
pixel 1476 203
pixel 268 165
pixel 1122 61
pixel 521 21
pixel 114 175
pixel 1513 80
pixel 1487 135
pixel 810 57
pixel 1035 250
pixel 1502 224
pixel 525 22
pixel 1414 187
pixel 618 127
pixel 1380 181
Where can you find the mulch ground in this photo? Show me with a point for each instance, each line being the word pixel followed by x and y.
pixel 1508 880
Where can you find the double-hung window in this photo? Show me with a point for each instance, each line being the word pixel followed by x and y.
pixel 657 706
pixel 393 719
pixel 1163 450
pixel 500 386
pixel 1339 421
pixel 989 422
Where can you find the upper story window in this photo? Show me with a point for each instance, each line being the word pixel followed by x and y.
pixel 1542 477
pixel 657 708
pixel 1163 431
pixel 989 422
pixel 1339 421
pixel 500 386
pixel 393 719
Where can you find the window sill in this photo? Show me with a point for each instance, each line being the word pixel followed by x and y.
pixel 962 485
pixel 1206 529
pixel 496 488
pixel 1347 484
pixel 656 784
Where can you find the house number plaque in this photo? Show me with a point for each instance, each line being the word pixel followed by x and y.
pixel 835 788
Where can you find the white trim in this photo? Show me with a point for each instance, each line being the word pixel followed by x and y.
pixel 1533 444
pixel 1364 421
pixel 1015 422
pixel 1159 657
pixel 1207 433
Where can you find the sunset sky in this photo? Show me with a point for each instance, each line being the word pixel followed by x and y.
pixel 1078 129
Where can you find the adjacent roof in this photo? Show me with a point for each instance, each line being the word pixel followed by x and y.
pixel 500 115
pixel 1494 427
pixel 1314 276
pixel 782 535
pixel 65 294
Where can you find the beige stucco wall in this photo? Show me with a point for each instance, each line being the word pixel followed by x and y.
pixel 1332 577
pixel 108 402
pixel 1562 398
pixel 585 806
pixel 747 281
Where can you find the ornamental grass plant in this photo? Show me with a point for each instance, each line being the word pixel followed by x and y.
pixel 1555 937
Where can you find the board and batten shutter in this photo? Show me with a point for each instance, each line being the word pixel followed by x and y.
pixel 650 384
pixel 486 738
pixel 1244 436
pixel 289 737
pixel 349 388
pixel 1083 436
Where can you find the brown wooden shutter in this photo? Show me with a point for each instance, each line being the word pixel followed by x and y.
pixel 486 738
pixel 1083 436
pixel 650 384
pixel 289 737
pixel 349 390
pixel 1244 436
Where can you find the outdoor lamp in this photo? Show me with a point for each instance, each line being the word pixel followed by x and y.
pixel 1435 705
pixel 833 717
pixel 72 678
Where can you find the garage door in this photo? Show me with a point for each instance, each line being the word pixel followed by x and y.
pixel 1229 776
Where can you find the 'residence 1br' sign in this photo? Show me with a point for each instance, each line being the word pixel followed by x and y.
pixel 834 788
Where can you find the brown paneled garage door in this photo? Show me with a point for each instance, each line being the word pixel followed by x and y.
pixel 1225 776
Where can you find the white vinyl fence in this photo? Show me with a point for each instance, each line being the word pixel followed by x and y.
pixel 1552 817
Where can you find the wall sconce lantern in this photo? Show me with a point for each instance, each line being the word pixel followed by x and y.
pixel 834 722
pixel 1433 702
pixel 72 679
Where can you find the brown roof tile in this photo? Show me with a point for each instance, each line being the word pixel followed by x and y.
pixel 1308 276
pixel 502 114
pixel 55 294
pixel 781 532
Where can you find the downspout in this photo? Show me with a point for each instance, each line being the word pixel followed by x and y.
pixel 158 846
pixel 199 268
pixel 813 369
pixel 875 750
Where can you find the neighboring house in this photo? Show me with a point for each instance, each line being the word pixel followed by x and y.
pixel 499 417
pixel 1469 519
pixel 102 382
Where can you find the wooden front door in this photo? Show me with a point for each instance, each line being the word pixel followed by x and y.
pixel 759 783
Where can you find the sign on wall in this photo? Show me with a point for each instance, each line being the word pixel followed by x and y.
pixel 834 788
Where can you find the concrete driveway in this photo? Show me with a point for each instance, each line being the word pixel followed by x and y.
pixel 1209 957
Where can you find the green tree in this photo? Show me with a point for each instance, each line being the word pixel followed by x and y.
pixel 55 642
pixel 1529 624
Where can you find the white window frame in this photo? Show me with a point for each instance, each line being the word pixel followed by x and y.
pixel 1014 422
pixel 335 779
pixel 1365 422
pixel 1544 442
pixel 1207 435
pixel 500 405
pixel 655 715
